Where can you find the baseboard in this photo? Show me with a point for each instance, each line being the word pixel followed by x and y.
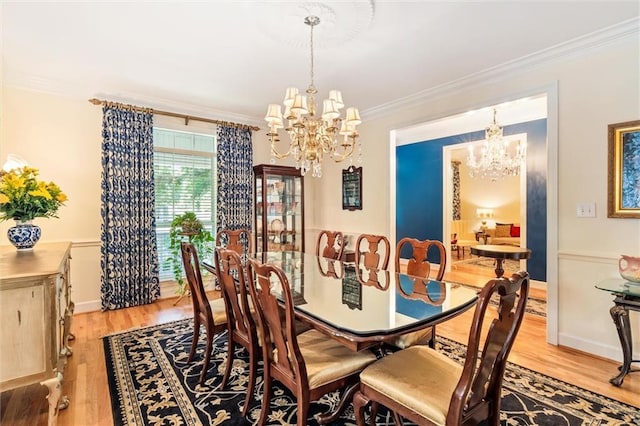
pixel 167 290
pixel 594 348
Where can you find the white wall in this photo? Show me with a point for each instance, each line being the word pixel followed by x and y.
pixel 596 87
pixel 61 137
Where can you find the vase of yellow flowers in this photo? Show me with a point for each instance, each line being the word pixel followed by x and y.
pixel 23 198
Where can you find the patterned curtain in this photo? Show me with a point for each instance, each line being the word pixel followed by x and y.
pixel 455 169
pixel 235 178
pixel 129 254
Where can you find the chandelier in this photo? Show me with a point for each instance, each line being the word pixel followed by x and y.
pixel 495 161
pixel 312 136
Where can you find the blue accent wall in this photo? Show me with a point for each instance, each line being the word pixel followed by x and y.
pixel 419 198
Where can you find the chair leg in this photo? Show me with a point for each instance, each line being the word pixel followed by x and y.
pixel 359 403
pixel 397 419
pixel 230 356
pixel 207 354
pixel 266 396
pixel 432 341
pixel 253 369
pixel 196 337
pixel 303 410
pixel 374 413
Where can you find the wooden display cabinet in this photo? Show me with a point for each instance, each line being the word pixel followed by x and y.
pixel 279 208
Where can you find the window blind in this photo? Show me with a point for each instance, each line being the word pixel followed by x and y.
pixel 184 177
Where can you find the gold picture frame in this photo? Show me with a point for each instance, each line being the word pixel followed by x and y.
pixel 624 170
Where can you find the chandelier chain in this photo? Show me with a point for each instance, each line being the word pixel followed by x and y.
pixel 312 24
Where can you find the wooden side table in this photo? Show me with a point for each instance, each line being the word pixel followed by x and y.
pixel 627 298
pixel 500 253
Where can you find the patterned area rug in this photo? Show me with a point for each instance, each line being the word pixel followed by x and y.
pixel 535 306
pixel 150 383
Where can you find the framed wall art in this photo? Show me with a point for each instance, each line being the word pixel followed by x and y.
pixel 352 188
pixel 624 170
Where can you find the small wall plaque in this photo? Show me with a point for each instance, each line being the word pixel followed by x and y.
pixel 352 188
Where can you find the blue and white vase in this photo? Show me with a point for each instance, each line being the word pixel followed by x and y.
pixel 24 235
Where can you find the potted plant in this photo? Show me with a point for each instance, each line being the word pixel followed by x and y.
pixel 23 198
pixel 187 227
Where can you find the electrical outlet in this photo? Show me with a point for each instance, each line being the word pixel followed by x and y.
pixel 586 210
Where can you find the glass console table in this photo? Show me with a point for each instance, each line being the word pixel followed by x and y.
pixel 627 297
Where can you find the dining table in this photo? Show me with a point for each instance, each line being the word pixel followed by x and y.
pixel 362 307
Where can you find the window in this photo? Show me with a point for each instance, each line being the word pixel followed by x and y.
pixel 185 180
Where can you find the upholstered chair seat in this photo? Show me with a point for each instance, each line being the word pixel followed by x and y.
pixel 218 310
pixel 327 360
pixel 420 337
pixel 418 378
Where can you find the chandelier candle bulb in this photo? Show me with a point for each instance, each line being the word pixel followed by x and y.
pixel 336 96
pixel 353 116
pixel 330 111
pixel 299 106
pixel 274 114
pixel 290 96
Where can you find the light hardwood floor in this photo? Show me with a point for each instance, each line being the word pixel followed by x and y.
pixel 86 379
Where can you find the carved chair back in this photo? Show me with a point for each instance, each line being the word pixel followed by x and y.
pixel 330 244
pixel 419 265
pixel 238 240
pixel 480 385
pixel 367 247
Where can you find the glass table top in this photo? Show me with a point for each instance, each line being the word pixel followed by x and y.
pixel 620 286
pixel 367 302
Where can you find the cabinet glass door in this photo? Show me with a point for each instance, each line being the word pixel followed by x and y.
pixel 279 209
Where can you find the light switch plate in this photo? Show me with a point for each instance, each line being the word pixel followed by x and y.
pixel 586 210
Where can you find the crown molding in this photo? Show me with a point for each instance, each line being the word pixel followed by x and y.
pixel 573 48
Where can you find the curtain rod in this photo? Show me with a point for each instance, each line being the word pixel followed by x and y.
pixel 175 114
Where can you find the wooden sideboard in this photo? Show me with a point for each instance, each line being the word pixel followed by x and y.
pixel 35 313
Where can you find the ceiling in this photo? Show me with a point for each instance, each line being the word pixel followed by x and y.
pixel 229 59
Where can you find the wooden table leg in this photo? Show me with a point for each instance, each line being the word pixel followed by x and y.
pixel 331 417
pixel 499 270
pixel 620 317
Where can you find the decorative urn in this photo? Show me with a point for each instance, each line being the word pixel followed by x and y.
pixel 629 267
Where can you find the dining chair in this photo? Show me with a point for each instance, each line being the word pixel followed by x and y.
pixel 241 324
pixel 454 244
pixel 330 244
pixel 419 266
pixel 238 240
pixel 369 255
pixel 429 388
pixel 212 314
pixel 310 364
